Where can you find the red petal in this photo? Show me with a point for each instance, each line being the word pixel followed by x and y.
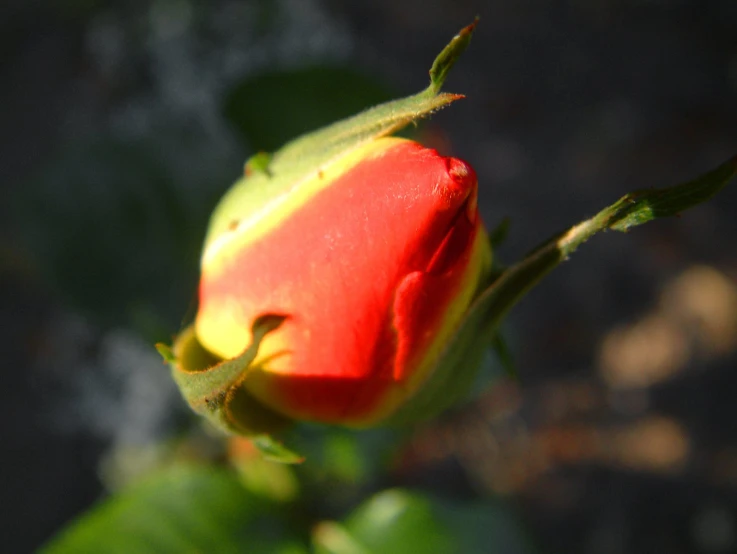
pixel 342 266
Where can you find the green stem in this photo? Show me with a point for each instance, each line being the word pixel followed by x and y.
pixel 633 209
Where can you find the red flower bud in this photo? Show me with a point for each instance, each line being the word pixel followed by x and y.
pixel 373 260
pixel 337 277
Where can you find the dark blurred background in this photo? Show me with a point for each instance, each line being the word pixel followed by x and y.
pixel 123 122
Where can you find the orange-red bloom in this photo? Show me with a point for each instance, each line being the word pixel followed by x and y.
pixel 374 260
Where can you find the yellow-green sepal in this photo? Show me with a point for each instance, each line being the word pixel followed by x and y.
pixel 272 177
pixel 214 388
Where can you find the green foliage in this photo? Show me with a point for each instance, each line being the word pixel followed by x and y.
pixel 399 521
pixel 193 509
pixel 186 509
pixel 110 230
pixel 269 109
pixel 393 521
pixel 261 476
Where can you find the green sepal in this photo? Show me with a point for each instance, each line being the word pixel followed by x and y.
pixel 306 156
pixel 207 390
pixel 214 388
pixel 445 60
pixel 275 451
pixel 499 234
pixel 504 355
pixel 457 367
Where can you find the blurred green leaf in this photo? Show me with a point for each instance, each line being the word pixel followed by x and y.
pixel 262 477
pixel 392 521
pixel 399 521
pixel 345 462
pixel 270 109
pixel 107 226
pixel 343 454
pixel 274 451
pixel 186 509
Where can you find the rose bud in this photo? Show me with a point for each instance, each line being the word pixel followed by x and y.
pixel 373 261
pixel 336 280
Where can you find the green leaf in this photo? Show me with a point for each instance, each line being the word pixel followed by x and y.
pixel 260 476
pixel 271 108
pixel 186 509
pixel 343 457
pixel 392 521
pixel 462 356
pixel 400 521
pixel 108 227
pixel 305 157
